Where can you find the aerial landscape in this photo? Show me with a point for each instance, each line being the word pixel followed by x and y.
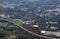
pixel 29 19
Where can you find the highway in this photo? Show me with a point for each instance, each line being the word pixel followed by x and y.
pixel 18 25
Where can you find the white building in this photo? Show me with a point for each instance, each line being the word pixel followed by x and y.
pixel 51 33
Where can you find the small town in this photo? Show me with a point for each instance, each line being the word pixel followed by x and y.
pixel 29 19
